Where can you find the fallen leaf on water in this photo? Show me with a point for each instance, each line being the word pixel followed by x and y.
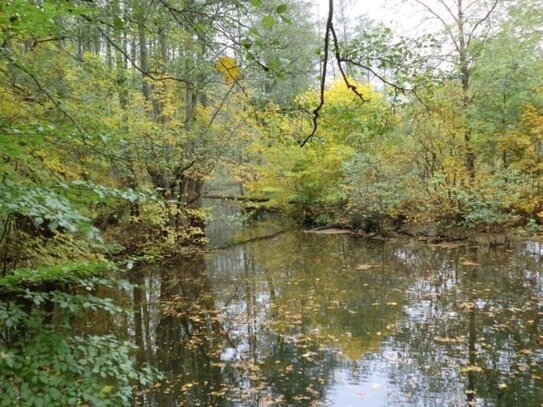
pixel 472 368
pixel 364 267
pixel 309 355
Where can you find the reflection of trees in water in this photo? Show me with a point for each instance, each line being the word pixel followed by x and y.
pixel 274 320
pixel 281 366
pixel 320 302
pixel 470 336
pixel 184 339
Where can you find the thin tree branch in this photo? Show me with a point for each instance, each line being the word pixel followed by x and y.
pixel 45 92
pixel 481 21
pixel 442 2
pixel 145 73
pixel 443 22
pixel 349 85
pixel 219 108
pixel 323 77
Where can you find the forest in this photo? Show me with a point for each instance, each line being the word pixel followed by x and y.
pixel 123 121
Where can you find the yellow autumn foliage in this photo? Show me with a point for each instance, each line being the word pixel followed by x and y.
pixel 229 67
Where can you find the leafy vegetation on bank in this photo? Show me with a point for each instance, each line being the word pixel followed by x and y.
pixel 44 359
pixel 65 273
pixel 459 144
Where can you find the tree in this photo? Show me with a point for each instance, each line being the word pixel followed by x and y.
pixel 312 179
pixel 467 25
pixel 281 58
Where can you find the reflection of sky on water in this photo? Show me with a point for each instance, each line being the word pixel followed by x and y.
pixel 329 320
pixel 397 373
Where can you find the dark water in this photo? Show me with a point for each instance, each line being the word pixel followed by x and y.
pixel 331 320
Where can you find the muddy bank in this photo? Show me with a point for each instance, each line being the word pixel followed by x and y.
pixel 434 233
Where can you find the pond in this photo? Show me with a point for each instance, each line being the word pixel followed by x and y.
pixel 333 320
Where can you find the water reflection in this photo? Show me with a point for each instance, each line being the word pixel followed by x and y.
pixel 231 222
pixel 304 319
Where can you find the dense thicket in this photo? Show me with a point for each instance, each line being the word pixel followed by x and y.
pixel 453 134
pixel 113 115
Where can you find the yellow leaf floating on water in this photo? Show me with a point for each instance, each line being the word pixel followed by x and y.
pixel 364 266
pixel 447 340
pixel 502 386
pixel 309 355
pixel 469 263
pixel 472 368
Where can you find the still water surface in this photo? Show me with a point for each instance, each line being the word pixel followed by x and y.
pixel 331 320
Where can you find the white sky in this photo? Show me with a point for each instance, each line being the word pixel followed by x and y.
pixel 401 15
pixel 376 9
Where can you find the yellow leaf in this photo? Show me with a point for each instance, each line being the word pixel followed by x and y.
pixel 229 68
pixel 107 389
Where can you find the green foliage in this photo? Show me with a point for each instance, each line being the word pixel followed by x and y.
pixel 52 369
pixel 42 362
pixel 376 188
pixel 404 60
pixel 24 19
pixel 278 71
pixel 43 207
pixel 63 273
pixel 312 180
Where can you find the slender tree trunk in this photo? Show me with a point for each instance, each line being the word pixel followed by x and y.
pixel 465 78
pixel 143 53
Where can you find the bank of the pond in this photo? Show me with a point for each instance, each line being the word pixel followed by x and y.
pixel 432 232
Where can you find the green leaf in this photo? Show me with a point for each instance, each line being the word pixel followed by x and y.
pixel 118 23
pixel 53 225
pixel 107 389
pixel 246 43
pixel 256 3
pixel 281 8
pixel 198 26
pixel 286 19
pixel 268 22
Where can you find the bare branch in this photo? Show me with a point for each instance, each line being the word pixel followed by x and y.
pixel 375 73
pixel 482 20
pixel 324 68
pixel 443 22
pixel 349 85
pixel 442 2
pixel 219 108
